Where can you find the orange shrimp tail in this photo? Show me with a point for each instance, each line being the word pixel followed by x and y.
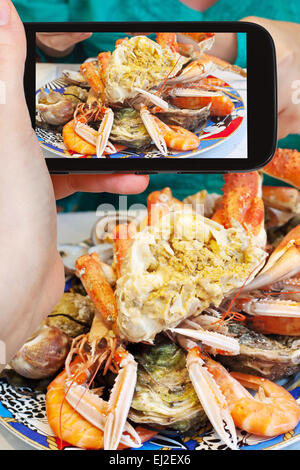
pixel 285 165
pixel 88 268
pixel 241 202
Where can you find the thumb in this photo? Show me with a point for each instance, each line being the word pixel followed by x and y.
pixel 12 59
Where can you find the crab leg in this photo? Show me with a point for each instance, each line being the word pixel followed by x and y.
pixel 282 198
pixel 123 234
pixel 283 263
pixel 285 165
pixel 242 203
pixel 89 270
pixel 210 396
pixel 160 203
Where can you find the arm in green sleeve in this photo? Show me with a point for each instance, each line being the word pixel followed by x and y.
pixel 39 10
pixel 241 59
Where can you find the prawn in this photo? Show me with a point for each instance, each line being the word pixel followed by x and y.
pixel 272 411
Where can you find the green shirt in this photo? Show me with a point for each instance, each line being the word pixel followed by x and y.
pixel 155 10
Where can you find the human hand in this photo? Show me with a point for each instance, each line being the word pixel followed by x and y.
pixel 59 44
pixel 32 275
pixel 286 37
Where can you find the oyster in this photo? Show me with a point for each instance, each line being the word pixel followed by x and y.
pixel 73 314
pixel 273 357
pixel 128 129
pixel 76 94
pixel 72 77
pixel 190 119
pixel 181 267
pixel 164 395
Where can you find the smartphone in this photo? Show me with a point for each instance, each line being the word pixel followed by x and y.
pixel 156 101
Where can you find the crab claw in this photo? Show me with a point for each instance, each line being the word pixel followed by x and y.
pixel 120 401
pixel 215 340
pixel 153 129
pixel 104 131
pixel 211 398
pixel 95 410
pixel 283 263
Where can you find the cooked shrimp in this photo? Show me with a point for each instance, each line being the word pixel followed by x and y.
pixel 65 422
pixel 76 143
pixel 176 137
pixel 272 411
pixel 70 426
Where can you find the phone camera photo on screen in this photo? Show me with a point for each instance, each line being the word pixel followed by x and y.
pixel 156 101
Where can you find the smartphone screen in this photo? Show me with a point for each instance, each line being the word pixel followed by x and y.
pixel 140 96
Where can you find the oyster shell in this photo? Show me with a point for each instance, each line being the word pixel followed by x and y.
pixel 164 395
pixel 128 129
pixel 273 357
pixel 190 119
pixel 71 77
pixel 73 314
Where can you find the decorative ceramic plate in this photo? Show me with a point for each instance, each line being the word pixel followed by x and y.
pixel 22 411
pixel 212 134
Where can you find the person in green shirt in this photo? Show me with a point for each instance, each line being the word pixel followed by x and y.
pixel 65 47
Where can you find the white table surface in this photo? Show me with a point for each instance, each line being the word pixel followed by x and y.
pixel 72 228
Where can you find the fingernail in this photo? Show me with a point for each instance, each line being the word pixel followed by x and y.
pixel 4 12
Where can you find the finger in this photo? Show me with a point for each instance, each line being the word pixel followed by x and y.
pixel 12 58
pixel 64 185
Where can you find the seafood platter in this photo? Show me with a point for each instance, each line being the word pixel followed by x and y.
pixel 179 327
pixel 148 98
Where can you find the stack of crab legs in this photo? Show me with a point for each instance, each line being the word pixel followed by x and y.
pixel 192 88
pixel 78 414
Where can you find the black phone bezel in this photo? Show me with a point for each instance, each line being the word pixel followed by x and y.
pixel 261 100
